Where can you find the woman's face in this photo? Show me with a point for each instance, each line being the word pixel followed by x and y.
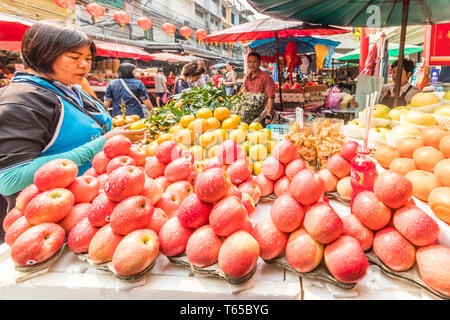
pixel 193 78
pixel 229 67
pixel 72 66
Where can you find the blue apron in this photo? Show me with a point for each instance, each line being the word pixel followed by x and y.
pixel 75 127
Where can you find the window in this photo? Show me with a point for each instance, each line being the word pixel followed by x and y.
pixel 224 12
pixel 199 14
pixel 148 34
pixel 233 19
pixel 113 3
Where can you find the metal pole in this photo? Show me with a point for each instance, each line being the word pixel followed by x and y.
pixel 278 70
pixel 401 53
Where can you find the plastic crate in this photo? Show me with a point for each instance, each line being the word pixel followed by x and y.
pixel 278 130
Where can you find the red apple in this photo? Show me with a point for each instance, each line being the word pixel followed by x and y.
pixel 272 168
pixel 338 166
pixel 50 206
pixel 271 240
pixel 373 213
pixel 168 151
pixel 131 214
pixel 286 213
pixel 169 203
pixel 138 154
pixel 102 181
pixel 228 152
pixel 187 154
pixel 307 187
pixel 136 252
pixel 16 229
pixel 124 182
pixel 212 185
pixel 11 217
pixel 354 228
pixel 215 163
pixel 293 167
pixel 57 173
pixel 393 189
pixel 323 223
pixel 252 189
pixel 80 236
pixel 349 149
pixel 285 151
pixel 163 181
pixel 178 169
pixel 239 171
pixel 37 244
pixel 78 213
pixel 227 216
pixel 329 179
pixel 173 237
pixel 281 186
pixel 152 190
pixel 118 162
pixel 100 210
pixel 117 146
pixel 84 189
pixel 303 253
pixel 103 244
pixel 25 197
pixel 154 168
pixel 234 191
pixel 203 246
pixel 180 188
pixel 248 203
pixel 91 173
pixel 265 185
pixel 158 219
pixel 100 162
pixel 193 212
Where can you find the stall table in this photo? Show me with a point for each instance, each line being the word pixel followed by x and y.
pixel 71 279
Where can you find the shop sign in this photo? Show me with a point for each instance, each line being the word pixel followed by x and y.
pixel 440 45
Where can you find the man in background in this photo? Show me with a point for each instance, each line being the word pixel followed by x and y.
pixel 160 86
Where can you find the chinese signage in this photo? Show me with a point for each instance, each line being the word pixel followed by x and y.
pixel 440 45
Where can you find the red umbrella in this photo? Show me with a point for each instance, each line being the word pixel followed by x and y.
pixel 270 28
pixel 11 32
pixel 118 50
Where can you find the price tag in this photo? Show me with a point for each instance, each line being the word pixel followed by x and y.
pixel 299 116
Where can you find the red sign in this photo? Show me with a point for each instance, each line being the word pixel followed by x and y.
pixel 440 45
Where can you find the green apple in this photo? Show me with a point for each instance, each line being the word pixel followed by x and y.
pixel 380 111
pixel 395 113
pixel 443 110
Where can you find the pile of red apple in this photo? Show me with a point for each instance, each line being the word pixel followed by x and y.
pixel 208 205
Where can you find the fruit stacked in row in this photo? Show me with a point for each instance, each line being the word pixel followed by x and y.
pixel 209 220
pixel 120 219
pixel 134 121
pixel 425 161
pixel 37 226
pixel 204 132
pixel 399 231
pixel 303 223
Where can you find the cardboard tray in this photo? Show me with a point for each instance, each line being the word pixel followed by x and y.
pixel 412 275
pixel 108 268
pixel 320 273
pixel 211 271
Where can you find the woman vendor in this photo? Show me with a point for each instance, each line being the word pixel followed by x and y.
pixel 44 114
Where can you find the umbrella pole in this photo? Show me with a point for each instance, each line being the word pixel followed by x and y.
pixel 278 71
pixel 401 53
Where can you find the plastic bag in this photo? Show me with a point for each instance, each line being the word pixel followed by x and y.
pixel 333 100
pixel 164 98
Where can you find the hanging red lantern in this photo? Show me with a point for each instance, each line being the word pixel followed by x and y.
pixel 145 23
pixel 186 32
pixel 95 10
pixel 169 28
pixel 200 34
pixel 122 18
pixel 65 4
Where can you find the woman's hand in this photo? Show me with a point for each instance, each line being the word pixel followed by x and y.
pixel 133 135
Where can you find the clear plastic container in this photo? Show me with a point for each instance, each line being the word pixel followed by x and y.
pixel 363 172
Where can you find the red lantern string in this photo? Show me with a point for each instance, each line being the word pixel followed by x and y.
pixel 145 23
pixel 186 32
pixel 65 5
pixel 122 18
pixel 95 10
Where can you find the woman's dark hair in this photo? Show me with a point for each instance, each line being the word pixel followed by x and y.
pixel 254 54
pixel 192 69
pixel 408 65
pixel 46 40
pixel 125 71
pixel 230 64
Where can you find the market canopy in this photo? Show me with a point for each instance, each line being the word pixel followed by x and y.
pixel 270 28
pixel 12 30
pixel 170 57
pixel 393 52
pixel 266 47
pixel 356 13
pixel 118 50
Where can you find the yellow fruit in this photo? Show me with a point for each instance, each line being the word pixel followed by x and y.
pixel 268 133
pixel 237 135
pixel 119 122
pixel 212 151
pixel 203 113
pixel 137 125
pixel 257 167
pixel 175 129
pixel 186 120
pixel 246 147
pixel 135 117
pixel 179 103
pixel 165 137
pixel 213 123
pixel 198 126
pixel 129 120
pixel 185 136
pixel 255 126
pixel 236 119
pixel 269 145
pixel 243 126
pixel 229 124
pixel 207 139
pixel 221 113
pixel 150 149
pixel 257 137
pixel 198 152
pixel 258 152
pixel 221 135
